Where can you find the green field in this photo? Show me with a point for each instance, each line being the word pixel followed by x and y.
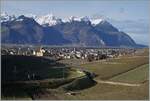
pixel 125 69
pixel 128 69
pixel 134 76
pixel 114 67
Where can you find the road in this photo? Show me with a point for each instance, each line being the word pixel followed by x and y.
pixel 117 83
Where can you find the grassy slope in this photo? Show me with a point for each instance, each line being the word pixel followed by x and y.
pixel 110 92
pixel 74 73
pixel 41 67
pixel 37 65
pixel 134 76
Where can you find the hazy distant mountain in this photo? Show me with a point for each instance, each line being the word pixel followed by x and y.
pixel 50 30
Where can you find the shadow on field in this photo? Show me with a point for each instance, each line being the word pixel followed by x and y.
pixel 29 77
pixel 27 69
pixel 79 84
pixel 22 68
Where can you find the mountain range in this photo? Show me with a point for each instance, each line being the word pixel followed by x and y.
pixel 50 30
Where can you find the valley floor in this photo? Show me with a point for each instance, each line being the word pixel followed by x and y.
pixel 123 78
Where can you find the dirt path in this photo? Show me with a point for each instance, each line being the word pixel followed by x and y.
pixel 117 83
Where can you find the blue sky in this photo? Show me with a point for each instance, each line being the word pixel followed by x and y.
pixel 120 12
pixel 116 9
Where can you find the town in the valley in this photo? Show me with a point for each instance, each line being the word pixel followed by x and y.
pixel 89 54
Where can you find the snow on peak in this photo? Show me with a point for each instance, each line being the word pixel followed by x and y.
pixel 96 21
pixel 85 18
pixel 51 20
pixel 74 18
pixel 5 17
pixel 48 19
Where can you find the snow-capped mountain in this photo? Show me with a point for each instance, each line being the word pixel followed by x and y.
pixel 48 19
pixel 31 16
pixel 51 20
pixel 74 18
pixel 5 17
pixel 96 21
pixel 81 31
